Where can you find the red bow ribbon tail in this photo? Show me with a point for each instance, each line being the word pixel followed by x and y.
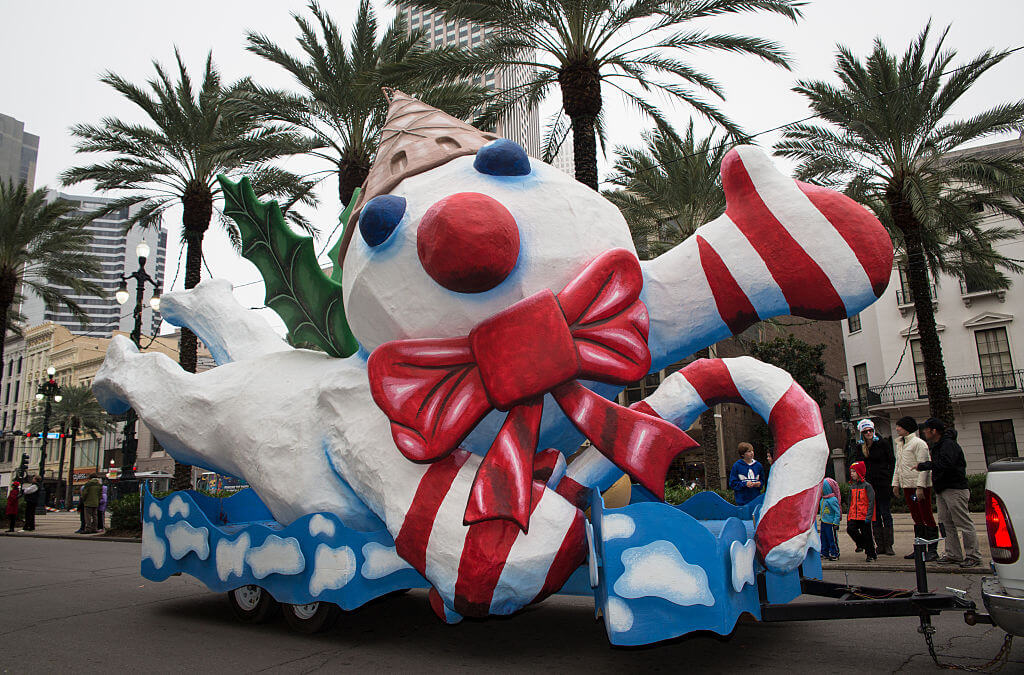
pixel 641 445
pixel 503 484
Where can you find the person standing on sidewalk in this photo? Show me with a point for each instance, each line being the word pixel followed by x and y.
pixel 12 505
pixel 949 478
pixel 880 462
pixel 831 512
pixel 862 511
pixel 747 475
pixel 914 485
pixel 31 493
pixel 91 492
pixel 103 507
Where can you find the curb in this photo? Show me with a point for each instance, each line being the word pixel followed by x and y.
pixel 79 537
pixel 884 567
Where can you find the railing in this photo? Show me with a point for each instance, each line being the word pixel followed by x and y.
pixel 959 387
pixel 905 297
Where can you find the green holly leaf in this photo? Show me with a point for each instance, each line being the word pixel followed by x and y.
pixel 302 295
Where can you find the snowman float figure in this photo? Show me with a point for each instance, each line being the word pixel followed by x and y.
pixel 489 306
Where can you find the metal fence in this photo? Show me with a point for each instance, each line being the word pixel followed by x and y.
pixel 959 387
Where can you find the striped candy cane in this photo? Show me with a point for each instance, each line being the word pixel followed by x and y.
pixel 781 247
pixel 786 520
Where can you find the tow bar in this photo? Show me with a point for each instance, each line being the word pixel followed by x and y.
pixel 863 602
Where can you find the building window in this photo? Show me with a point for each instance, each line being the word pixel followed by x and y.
pixel 19 365
pixel 7 393
pixel 994 357
pixel 860 379
pixel 854 323
pixel 904 296
pixel 919 369
pixel 998 439
pixel 17 391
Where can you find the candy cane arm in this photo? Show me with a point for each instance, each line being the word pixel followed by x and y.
pixel 786 521
pixel 782 247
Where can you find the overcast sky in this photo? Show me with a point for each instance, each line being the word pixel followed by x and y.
pixel 54 51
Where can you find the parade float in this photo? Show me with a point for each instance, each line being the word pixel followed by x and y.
pixel 483 312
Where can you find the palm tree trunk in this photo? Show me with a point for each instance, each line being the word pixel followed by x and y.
pixel 60 466
pixel 940 404
pixel 198 210
pixel 8 284
pixel 71 468
pixel 351 175
pixel 581 100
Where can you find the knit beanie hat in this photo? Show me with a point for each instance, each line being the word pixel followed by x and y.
pixel 859 468
pixel 865 424
pixel 907 422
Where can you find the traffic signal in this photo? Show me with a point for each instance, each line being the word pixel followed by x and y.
pixel 23 467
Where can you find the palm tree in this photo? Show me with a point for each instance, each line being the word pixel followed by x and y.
pixel 581 46
pixel 195 135
pixel 41 247
pixel 78 410
pixel 667 189
pixel 890 141
pixel 341 107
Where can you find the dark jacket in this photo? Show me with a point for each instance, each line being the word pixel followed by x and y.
pixel 948 466
pixel 880 462
pixel 740 474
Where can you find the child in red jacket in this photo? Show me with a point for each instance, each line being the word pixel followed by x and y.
pixel 862 511
pixel 12 505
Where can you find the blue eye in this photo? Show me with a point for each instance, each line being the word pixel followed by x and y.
pixel 380 217
pixel 502 157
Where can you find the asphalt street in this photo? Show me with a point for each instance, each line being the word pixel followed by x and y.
pixel 82 606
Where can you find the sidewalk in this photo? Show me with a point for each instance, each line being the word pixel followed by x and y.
pixel 60 525
pixel 903 543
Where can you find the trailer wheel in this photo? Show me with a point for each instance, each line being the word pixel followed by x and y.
pixel 252 604
pixel 313 617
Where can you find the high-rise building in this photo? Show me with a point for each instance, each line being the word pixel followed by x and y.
pixel 115 251
pixel 18 152
pixel 522 123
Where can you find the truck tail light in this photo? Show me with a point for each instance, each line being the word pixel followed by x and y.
pixel 1001 539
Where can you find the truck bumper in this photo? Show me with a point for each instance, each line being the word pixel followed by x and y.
pixel 1006 611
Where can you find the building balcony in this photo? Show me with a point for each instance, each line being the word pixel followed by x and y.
pixel 905 298
pixel 960 387
pixel 971 292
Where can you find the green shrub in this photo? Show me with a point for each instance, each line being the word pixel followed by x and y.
pixel 126 513
pixel 677 494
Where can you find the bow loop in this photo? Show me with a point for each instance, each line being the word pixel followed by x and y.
pixel 431 391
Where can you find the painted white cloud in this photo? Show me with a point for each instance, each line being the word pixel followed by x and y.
pixel 332 568
pixel 381 561
pixel 178 507
pixel 183 538
pixel 742 556
pixel 659 570
pixel 155 512
pixel 320 524
pixel 230 556
pixel 618 615
pixel 276 556
pixel 591 555
pixel 153 547
pixel 617 526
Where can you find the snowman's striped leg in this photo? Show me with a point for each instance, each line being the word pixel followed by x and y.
pixel 781 247
pixel 786 520
pixel 491 567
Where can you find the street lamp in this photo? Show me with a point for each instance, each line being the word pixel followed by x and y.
pixel 141 277
pixel 48 391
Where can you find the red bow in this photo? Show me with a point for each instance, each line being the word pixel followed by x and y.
pixel 435 391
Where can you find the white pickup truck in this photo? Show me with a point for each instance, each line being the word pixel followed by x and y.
pixel 1004 593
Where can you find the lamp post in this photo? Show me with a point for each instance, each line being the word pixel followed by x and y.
pixel 844 413
pixel 48 391
pixel 141 277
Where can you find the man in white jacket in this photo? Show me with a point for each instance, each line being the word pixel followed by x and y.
pixel 915 486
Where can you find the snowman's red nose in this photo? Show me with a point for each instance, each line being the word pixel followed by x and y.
pixel 468 242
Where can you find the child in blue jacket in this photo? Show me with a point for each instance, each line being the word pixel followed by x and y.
pixel 831 511
pixel 746 479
